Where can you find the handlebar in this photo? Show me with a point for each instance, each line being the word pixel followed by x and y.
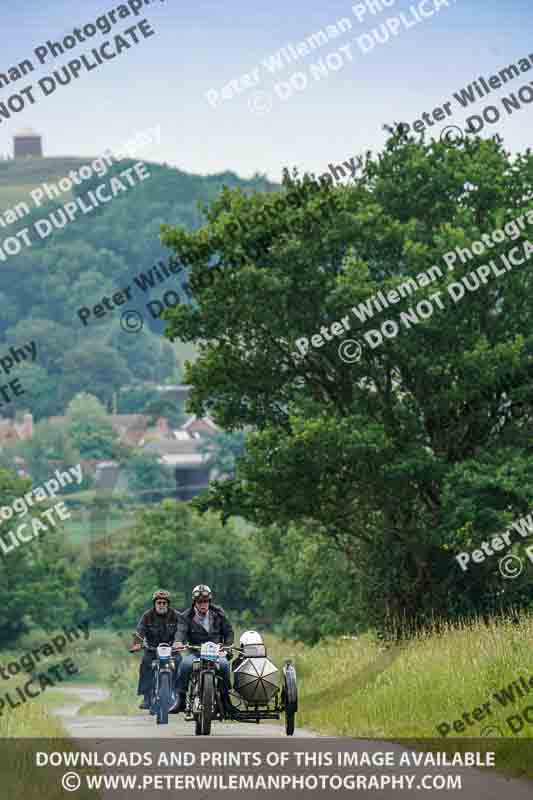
pixel 179 648
pixel 146 646
pixel 197 647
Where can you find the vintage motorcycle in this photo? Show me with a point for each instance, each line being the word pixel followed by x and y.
pixel 163 695
pixel 256 693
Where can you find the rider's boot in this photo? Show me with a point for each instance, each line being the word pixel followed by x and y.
pixel 145 705
pixel 179 705
pixel 228 708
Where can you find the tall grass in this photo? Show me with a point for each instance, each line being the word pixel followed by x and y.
pixel 93 657
pixel 434 678
pixel 33 720
pixel 21 730
pixel 361 689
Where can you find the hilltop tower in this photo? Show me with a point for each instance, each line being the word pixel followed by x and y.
pixel 27 143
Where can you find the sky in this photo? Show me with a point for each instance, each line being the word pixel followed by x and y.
pixel 200 47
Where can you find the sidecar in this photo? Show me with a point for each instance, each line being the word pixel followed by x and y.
pixel 260 691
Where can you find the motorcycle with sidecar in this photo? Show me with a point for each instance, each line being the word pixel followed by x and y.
pixel 259 690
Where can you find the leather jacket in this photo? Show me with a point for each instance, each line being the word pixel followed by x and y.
pixel 191 632
pixel 157 628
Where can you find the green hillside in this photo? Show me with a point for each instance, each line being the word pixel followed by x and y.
pixel 92 257
pixel 19 177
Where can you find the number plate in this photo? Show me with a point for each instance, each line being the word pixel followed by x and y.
pixel 210 651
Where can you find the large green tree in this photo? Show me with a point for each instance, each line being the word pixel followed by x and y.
pixel 420 448
pixel 43 287
pixel 90 430
pixel 40 393
pixel 148 478
pixel 305 585
pixel 49 338
pixel 223 450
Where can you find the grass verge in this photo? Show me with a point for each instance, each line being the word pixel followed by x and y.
pixel 361 689
pixel 21 777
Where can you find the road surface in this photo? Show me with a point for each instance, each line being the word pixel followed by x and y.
pixel 95 732
pixel 142 724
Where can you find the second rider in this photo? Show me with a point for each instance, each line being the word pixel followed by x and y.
pixel 202 622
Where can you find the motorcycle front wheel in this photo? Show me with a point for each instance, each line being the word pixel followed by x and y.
pixel 164 698
pixel 207 699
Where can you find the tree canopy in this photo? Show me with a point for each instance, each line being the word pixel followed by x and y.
pixel 420 448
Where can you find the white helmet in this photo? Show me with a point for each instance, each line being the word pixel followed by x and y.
pixel 252 645
pixel 202 590
pixel 250 637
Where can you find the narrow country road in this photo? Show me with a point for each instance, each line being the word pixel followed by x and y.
pixel 142 730
pixel 143 725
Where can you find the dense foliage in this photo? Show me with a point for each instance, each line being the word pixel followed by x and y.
pixel 38 579
pixel 224 449
pixel 420 449
pixel 172 547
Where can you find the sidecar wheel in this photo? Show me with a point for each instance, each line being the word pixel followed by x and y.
pixel 290 696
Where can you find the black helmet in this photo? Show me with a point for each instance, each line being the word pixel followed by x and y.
pixel 202 590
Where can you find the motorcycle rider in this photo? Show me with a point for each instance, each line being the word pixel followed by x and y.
pixel 202 622
pixel 157 625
